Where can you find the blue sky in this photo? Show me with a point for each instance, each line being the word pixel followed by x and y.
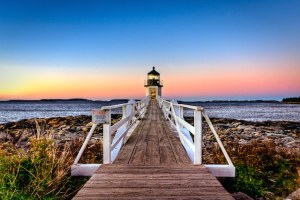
pixel 125 38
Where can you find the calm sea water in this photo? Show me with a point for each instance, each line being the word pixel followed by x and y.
pixel 253 111
pixel 246 111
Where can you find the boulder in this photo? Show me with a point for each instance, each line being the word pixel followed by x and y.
pixel 84 129
pixel 5 137
pixel 242 141
pixel 89 124
pixel 241 127
pixel 257 134
pixel 241 196
pixel 294 195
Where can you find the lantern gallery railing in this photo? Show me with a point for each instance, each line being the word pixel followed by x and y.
pixel 174 113
pixel 114 136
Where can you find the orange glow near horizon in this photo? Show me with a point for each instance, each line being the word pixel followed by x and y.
pixel 95 84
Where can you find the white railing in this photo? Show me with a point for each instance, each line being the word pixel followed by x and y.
pixel 114 136
pixel 174 113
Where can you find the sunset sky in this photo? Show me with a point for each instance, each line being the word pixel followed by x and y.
pixel 204 49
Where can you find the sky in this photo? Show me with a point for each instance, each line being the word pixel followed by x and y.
pixel 203 49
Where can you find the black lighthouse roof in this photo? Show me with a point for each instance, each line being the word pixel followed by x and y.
pixel 153 72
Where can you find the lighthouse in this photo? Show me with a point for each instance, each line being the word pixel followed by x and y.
pixel 153 85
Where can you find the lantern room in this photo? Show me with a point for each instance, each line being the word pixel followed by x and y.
pixel 153 84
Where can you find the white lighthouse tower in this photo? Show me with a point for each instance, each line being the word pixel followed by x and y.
pixel 153 85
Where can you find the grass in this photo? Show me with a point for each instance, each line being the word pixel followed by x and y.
pixel 43 171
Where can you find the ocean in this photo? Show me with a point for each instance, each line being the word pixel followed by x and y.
pixel 250 111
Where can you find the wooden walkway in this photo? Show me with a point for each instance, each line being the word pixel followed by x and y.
pixel 152 165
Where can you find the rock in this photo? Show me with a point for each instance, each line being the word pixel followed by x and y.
pixel 53 121
pixel 55 125
pixel 294 195
pixel 89 124
pixel 242 141
pixel 70 136
pixel 241 196
pixel 257 134
pixel 236 124
pixel 277 135
pixel 290 144
pixel 5 137
pixel 72 129
pixel 224 126
pixel 69 117
pixel 270 195
pixel 241 127
pixel 245 136
pixel 84 129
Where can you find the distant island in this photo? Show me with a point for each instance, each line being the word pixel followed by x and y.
pixel 290 100
pixel 295 100
pixel 64 100
pixel 229 101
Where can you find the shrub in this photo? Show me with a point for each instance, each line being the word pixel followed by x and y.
pixel 250 181
pixel 263 167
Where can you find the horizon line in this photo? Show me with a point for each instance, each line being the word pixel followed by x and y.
pixel 113 99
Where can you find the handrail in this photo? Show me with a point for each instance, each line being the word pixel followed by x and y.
pixel 174 113
pixel 131 113
pixel 199 108
pixel 115 106
pixel 121 105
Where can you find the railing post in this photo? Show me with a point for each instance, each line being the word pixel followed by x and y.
pixel 107 139
pixel 124 112
pixel 181 115
pixel 198 137
pixel 130 108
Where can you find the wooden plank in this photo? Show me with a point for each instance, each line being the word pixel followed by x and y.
pixel 158 198
pixel 140 148
pixel 186 166
pixel 165 149
pixel 134 192
pixel 153 176
pixel 154 169
pixel 121 183
pixel 152 152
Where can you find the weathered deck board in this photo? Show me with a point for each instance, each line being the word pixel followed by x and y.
pixel 152 165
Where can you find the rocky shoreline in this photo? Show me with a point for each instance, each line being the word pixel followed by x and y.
pixel 282 133
pixel 63 129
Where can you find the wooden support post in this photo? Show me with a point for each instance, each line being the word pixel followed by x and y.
pixel 198 137
pixel 106 144
pixel 85 143
pixel 107 139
